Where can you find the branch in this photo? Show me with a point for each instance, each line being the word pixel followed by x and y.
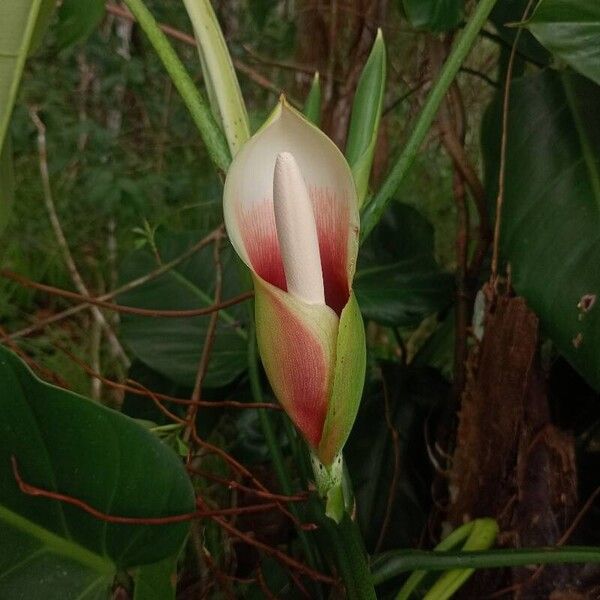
pixel 62 241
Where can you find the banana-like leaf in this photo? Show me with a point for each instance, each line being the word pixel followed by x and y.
pixel 366 113
pixel 219 75
pixel 312 106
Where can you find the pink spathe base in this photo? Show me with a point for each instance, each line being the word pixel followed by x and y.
pixel 259 235
pixel 301 378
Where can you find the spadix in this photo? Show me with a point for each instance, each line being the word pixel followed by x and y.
pixel 297 231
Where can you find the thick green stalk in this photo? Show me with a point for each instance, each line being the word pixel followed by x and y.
pixel 351 558
pixel 395 563
pixel 375 209
pixel 199 110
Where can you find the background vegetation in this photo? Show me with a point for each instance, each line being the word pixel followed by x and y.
pixel 483 340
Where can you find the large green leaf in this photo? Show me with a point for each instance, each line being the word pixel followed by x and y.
pixel 571 30
pixel 173 346
pixel 66 443
pixel 398 281
pixel 550 222
pixel 434 15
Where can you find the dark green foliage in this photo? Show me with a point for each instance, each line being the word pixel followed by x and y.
pixel 68 444
pixel 398 281
pixel 551 219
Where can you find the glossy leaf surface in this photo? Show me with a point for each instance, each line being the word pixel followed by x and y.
pixel 398 282
pixel 66 443
pixel 551 218
pixel 570 29
pixel 172 346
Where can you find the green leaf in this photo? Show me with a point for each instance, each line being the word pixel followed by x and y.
pixel 366 113
pixel 398 282
pixel 173 346
pixel 220 79
pixel 156 581
pixel 17 24
pixel 504 15
pixel 550 230
pixel 312 106
pixel 570 29
pixel 66 443
pixel 76 20
pixel 434 15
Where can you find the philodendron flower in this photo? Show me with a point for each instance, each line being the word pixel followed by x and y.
pixel 291 212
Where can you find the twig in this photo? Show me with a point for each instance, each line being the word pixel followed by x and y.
pixel 396 473
pixel 277 554
pixel 62 241
pixel 189 40
pixel 32 490
pixel 42 371
pixel 503 142
pixel 124 288
pixel 130 310
pixel 137 388
pixel 564 538
pixel 209 340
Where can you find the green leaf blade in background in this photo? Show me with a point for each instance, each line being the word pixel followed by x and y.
pixel 77 20
pixel 312 106
pixel 550 230
pixel 365 117
pixel 173 346
pixel 398 282
pixel 434 15
pixel 570 29
pixel 66 443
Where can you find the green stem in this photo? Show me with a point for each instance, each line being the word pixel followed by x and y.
pixel 351 558
pixel 394 563
pixel 460 50
pixel 199 110
pixel 271 438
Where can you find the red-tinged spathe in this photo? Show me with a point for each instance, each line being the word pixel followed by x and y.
pixel 311 342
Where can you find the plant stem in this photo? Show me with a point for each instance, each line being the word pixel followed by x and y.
pixel 205 122
pixel 351 558
pixel 270 436
pixel 375 209
pixel 394 563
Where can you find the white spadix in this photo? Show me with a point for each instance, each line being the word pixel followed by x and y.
pixel 297 231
